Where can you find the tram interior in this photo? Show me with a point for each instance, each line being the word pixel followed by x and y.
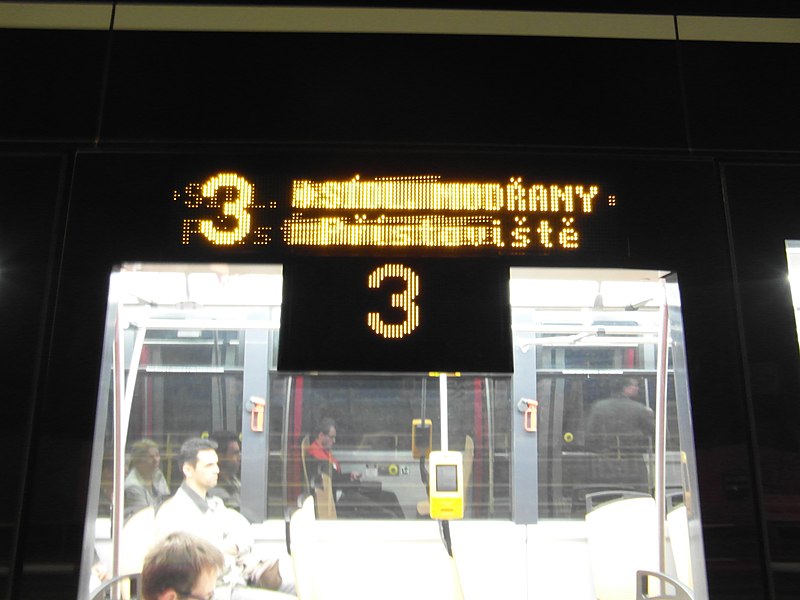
pixel 556 505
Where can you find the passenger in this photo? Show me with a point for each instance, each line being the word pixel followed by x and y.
pixel 620 429
pixel 145 484
pixel 352 498
pixel 191 509
pixel 181 566
pixel 229 486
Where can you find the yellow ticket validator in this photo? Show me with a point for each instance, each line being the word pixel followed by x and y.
pixel 447 485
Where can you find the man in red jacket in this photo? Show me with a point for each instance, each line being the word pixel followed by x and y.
pixel 352 499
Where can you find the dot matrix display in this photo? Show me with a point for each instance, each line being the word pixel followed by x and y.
pixel 515 216
pixel 403 300
pixel 426 314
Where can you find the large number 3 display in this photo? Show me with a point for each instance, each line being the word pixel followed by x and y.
pixel 355 314
pixel 403 300
pixel 236 209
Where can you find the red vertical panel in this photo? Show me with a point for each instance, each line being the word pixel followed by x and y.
pixel 630 358
pixel 296 435
pixel 477 487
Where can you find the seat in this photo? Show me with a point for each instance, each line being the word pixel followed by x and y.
pixel 301 548
pixel 323 494
pixel 321 486
pixel 622 537
pixel 331 564
pixel 138 536
pixel 678 592
pixel 678 528
pixel 121 586
pixel 304 444
pixel 424 506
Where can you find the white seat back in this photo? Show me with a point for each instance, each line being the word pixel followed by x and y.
pixel 138 536
pixel 678 528
pixel 303 549
pixel 623 539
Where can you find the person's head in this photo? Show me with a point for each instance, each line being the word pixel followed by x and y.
pixel 145 458
pixel 181 566
pixel 629 387
pixel 228 450
pixel 199 464
pixel 326 433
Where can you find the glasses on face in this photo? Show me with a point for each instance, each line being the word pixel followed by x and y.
pixel 209 596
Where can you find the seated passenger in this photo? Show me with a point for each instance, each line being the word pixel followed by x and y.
pixel 352 499
pixel 193 510
pixel 229 486
pixel 145 484
pixel 181 566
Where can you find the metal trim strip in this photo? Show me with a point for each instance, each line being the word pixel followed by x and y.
pixel 298 19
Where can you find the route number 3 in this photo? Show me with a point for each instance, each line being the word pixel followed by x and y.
pixel 403 300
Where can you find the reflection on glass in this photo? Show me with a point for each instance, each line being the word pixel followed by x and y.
pixel 374 416
pixel 179 363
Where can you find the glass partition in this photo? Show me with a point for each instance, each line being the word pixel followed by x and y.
pixel 601 353
pixel 373 416
pixel 594 349
pixel 597 410
pixel 173 368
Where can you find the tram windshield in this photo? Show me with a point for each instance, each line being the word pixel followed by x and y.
pixel 596 411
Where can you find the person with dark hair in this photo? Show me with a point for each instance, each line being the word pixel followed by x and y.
pixel 620 430
pixel 229 486
pixel 352 498
pixel 145 484
pixel 193 510
pixel 181 566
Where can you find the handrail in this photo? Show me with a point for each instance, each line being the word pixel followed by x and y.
pixel 681 591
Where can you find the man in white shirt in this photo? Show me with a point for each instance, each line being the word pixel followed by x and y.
pixel 191 509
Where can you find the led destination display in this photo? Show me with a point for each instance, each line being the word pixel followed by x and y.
pixel 424 212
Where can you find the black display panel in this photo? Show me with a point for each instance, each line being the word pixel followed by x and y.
pixel 423 214
pixel 450 226
pixel 398 315
pixel 274 206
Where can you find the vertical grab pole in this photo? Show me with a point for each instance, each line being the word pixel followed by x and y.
pixel 443 411
pixel 119 442
pixel 661 438
pixel 130 382
pixel 123 400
